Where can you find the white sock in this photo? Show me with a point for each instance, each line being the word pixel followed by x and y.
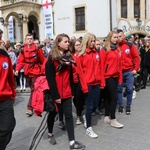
pixel 50 134
pixel 72 142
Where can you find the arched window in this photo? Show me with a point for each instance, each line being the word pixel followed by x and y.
pixel 136 8
pixel 123 8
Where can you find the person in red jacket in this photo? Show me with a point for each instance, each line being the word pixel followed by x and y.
pixel 59 75
pixel 130 66
pixel 78 99
pixel 91 77
pixel 112 62
pixel 7 97
pixel 31 58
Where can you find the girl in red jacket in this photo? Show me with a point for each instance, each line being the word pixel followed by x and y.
pixel 59 75
pixel 111 57
pixel 78 94
pixel 91 77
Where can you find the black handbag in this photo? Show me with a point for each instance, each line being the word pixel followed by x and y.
pixel 48 102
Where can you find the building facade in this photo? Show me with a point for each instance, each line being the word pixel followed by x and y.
pixel 76 17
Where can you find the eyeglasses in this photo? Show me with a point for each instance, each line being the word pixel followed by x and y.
pixel 78 45
pixel 98 44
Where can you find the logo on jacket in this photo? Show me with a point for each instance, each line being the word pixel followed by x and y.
pixel 127 51
pixel 5 65
pixel 97 57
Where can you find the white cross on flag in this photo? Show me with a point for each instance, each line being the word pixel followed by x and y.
pixel 48 18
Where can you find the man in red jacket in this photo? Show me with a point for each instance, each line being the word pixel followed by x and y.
pixel 7 97
pixel 130 66
pixel 31 58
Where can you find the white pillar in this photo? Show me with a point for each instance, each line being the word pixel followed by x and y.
pixel 130 8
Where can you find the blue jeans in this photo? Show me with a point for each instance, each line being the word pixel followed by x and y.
pixel 92 102
pixel 128 79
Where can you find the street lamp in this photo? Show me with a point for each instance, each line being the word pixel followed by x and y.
pixel 139 22
pixel 2 20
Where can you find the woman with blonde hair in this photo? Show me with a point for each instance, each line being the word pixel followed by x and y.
pixel 91 77
pixel 111 59
pixel 59 76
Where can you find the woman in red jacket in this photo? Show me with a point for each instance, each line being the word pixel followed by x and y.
pixel 91 77
pixel 111 57
pixel 78 94
pixel 59 76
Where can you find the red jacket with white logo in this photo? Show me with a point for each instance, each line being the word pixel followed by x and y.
pixel 31 59
pixel 7 84
pixel 89 69
pixel 59 81
pixel 130 55
pixel 112 62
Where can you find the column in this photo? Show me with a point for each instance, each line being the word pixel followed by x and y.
pixel 118 9
pixel 5 32
pixel 130 8
pixel 142 9
pixel 25 26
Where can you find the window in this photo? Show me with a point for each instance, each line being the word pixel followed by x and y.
pixel 80 18
pixel 123 8
pixel 136 8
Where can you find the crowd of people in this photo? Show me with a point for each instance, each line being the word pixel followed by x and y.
pixel 92 73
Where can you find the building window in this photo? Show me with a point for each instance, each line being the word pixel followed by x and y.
pixel 123 8
pixel 80 18
pixel 136 8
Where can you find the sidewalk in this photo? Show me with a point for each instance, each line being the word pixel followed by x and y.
pixel 134 136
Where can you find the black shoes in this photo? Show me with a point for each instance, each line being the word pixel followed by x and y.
pixel 128 110
pixel 120 110
pixel 77 145
pixel 62 125
pixel 52 139
pixel 143 87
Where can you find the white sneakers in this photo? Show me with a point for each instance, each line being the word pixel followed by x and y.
pixel 90 133
pixel 78 121
pixel 107 119
pixel 84 121
pixel 113 122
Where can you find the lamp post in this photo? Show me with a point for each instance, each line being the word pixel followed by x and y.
pixel 2 20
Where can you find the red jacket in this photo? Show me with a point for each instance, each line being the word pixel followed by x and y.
pixel 58 81
pixel 89 68
pixel 131 59
pixel 32 59
pixel 75 70
pixel 112 62
pixel 7 84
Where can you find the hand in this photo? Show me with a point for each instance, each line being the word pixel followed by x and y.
pixel 134 72
pixel 16 73
pixel 13 99
pixel 58 101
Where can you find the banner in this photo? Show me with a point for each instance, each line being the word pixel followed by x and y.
pixel 48 18
pixel 11 29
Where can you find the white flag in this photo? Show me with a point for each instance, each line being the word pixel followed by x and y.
pixel 48 18
pixel 11 29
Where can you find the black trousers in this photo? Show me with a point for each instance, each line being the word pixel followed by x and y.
pixel 78 100
pixel 67 109
pixel 111 100
pixel 146 71
pixel 7 122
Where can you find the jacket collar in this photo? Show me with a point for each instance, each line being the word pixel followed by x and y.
pixel 122 42
pixel 88 50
